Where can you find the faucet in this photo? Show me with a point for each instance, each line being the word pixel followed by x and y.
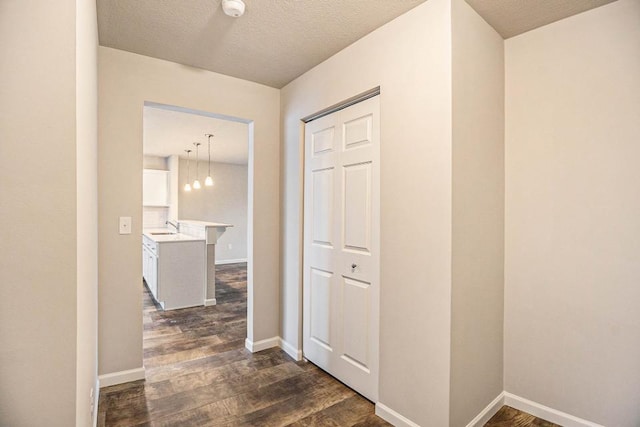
pixel 175 225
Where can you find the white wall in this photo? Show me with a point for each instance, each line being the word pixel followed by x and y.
pixel 155 162
pixel 410 58
pixel 38 262
pixel 572 270
pixel 225 202
pixel 47 249
pixel 87 208
pixel 126 81
pixel 478 215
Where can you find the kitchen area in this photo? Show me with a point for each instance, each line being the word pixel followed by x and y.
pixel 194 209
pixel 179 268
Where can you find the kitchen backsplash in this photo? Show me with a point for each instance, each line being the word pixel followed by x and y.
pixel 193 230
pixel 154 217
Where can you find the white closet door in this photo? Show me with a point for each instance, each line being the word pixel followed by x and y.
pixel 342 245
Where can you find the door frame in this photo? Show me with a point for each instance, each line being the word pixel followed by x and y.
pixel 250 197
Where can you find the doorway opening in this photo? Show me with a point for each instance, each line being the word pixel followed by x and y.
pixel 197 176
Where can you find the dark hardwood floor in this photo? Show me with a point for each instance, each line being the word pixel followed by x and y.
pixel 510 417
pixel 198 373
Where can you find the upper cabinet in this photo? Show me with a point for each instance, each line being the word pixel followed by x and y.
pixel 155 184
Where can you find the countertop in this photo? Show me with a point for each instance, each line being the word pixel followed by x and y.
pixel 163 238
pixel 204 223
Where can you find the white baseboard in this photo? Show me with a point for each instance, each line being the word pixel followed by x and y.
pixel 290 350
pixel 96 400
pixel 391 416
pixel 210 301
pixel 254 347
pixel 230 261
pixel 546 413
pixel 488 412
pixel 121 377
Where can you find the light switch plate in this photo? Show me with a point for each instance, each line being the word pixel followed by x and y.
pixel 125 225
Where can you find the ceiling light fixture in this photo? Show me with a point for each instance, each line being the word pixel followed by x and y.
pixel 187 186
pixel 196 183
pixel 233 8
pixel 209 180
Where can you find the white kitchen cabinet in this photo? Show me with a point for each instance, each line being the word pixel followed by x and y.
pixel 150 266
pixel 155 187
pixel 174 269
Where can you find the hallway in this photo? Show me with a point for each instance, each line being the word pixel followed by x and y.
pixel 198 373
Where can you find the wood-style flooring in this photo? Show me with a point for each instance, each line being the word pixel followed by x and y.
pixel 510 417
pixel 198 373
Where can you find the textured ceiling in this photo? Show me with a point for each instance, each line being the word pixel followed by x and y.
pixel 170 132
pixel 273 43
pixel 513 17
pixel 278 40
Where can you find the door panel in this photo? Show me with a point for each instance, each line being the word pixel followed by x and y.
pixel 358 132
pixel 355 339
pixel 357 207
pixel 323 206
pixel 341 245
pixel 321 307
pixel 323 140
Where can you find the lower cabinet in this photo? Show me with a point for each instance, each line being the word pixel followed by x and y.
pixel 175 272
pixel 150 270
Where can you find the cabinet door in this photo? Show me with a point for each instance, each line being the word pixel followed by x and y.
pixel 154 187
pixel 145 262
pixel 153 274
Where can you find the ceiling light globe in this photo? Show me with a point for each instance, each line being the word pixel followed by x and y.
pixel 187 187
pixel 196 184
pixel 208 181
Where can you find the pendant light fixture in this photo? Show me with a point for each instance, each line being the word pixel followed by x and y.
pixel 209 180
pixel 196 183
pixel 187 186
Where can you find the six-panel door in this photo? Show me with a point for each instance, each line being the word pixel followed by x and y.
pixel 341 245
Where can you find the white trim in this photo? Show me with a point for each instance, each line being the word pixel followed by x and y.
pixel 121 377
pixel 391 416
pixel 254 347
pixel 488 412
pixel 209 301
pixel 230 261
pixel 295 353
pixel 96 394
pixel 546 413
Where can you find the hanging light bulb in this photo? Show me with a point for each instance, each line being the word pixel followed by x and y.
pixel 196 183
pixel 209 180
pixel 187 186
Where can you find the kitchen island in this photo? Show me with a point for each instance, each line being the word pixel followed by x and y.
pixel 178 263
pixel 211 232
pixel 174 268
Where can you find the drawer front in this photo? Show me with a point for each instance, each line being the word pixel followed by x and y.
pixel 150 244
